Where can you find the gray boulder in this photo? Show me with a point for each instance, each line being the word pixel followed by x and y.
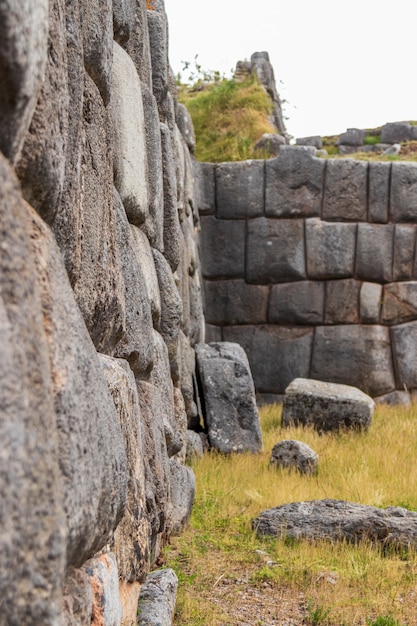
pixel 290 453
pixel 337 520
pixel 315 141
pixel 194 445
pixel 270 144
pixel 326 406
pixel 352 137
pixel 229 396
pixel 181 496
pixel 394 149
pixel 157 599
pixel 394 132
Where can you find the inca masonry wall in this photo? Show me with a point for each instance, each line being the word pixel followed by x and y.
pixel 310 264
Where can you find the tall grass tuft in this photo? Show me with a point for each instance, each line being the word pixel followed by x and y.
pixel 341 584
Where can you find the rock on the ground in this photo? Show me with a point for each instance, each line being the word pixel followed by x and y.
pixel 157 599
pixel 290 453
pixel 338 520
pixel 195 447
pixel 181 496
pixel 326 406
pixel 231 414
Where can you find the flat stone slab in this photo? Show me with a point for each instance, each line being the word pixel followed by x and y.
pixel 326 406
pixel 338 520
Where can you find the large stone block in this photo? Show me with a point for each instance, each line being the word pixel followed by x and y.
pixel 370 300
pixel 396 132
pixel 23 58
pixel 205 187
pixel 158 40
pixel 171 304
pixel 157 598
pixel 355 355
pixel 97 32
pixel 77 605
pixel 352 137
pixel 92 456
pixel 123 19
pixel 275 251
pixel 399 302
pixel 326 406
pixel 138 46
pixel 345 193
pixel 276 354
pixel 300 302
pixel 330 249
pixel 104 580
pixel 240 189
pixel 41 164
pixel 181 496
pixel 404 192
pixel 404 246
pixel 342 301
pixel 231 415
pixel 130 543
pixel 32 522
pixel 171 227
pixel 374 254
pixel 404 341
pixel 294 183
pixel 230 302
pixel 378 192
pixel 185 124
pixel 129 143
pixel 145 259
pixel 222 248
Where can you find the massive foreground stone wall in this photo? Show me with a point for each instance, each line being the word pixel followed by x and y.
pixel 100 307
pixel 311 266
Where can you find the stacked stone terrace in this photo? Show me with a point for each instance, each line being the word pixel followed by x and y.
pixel 310 265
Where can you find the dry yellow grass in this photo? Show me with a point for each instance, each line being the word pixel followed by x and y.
pixel 229 576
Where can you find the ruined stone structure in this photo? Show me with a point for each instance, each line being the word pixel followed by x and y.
pixel 310 265
pixel 100 307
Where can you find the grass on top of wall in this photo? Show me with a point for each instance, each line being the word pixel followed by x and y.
pixel 334 584
pixel 229 117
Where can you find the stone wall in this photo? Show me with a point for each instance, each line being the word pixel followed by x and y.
pixel 311 266
pixel 100 307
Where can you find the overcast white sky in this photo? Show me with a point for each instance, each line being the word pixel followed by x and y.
pixel 342 63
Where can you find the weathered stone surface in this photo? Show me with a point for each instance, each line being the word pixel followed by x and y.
pixel 136 343
pixel 374 253
pixel 378 192
pixel 300 302
pixel 315 141
pixel 292 454
pixel 352 137
pixel 32 543
pixel 404 246
pixel 269 145
pixel 154 220
pixel 330 249
pixel 294 183
pixel 261 67
pixel 94 484
pixel 337 520
pixel 404 341
pixel 129 144
pixel 41 164
pixel 185 124
pixel 97 32
pixel 77 604
pixel 404 192
pixel 157 599
pixel 181 424
pixel 104 580
pixel 158 40
pixel 370 300
pixel 171 229
pixel 96 280
pixel 146 262
pixel 230 302
pixel 345 193
pixel 368 347
pixel 171 305
pixel 186 369
pixel 138 46
pixel 213 333
pixel 194 445
pixel 205 187
pixel 395 132
pixel 231 415
pixel 181 496
pixel 326 406
pixel 275 251
pixel 395 398
pixel 399 303
pixel 23 58
pixel 130 543
pixel 240 189
pixel 123 19
pixel 222 248
pixel 342 301
pixel 276 354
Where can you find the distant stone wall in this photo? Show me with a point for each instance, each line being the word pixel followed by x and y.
pixel 310 265
pixel 100 308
